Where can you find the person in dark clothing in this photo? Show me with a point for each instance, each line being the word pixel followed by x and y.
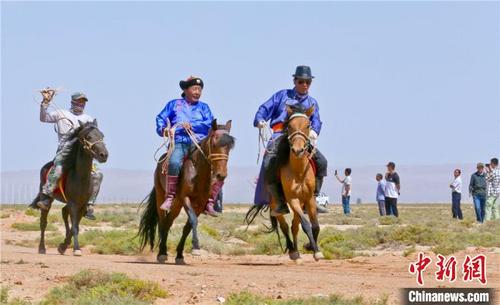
pixel 477 189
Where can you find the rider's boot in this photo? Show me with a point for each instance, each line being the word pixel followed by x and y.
pixel 317 191
pixel 279 197
pixel 44 202
pixel 90 212
pixel 216 187
pixel 170 193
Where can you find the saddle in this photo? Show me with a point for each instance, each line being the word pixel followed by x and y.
pixel 60 183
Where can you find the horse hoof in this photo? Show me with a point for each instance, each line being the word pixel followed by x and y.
pixel 61 249
pixel 298 261
pixel 308 247
pixel 318 256
pixel 77 253
pixel 294 255
pixel 41 251
pixel 196 252
pixel 161 258
pixel 180 261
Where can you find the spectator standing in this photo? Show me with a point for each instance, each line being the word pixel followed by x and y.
pixel 346 190
pixel 380 196
pixel 477 188
pixel 392 190
pixel 456 194
pixel 493 191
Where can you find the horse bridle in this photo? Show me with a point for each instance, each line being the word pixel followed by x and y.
pixel 298 133
pixel 213 156
pixel 87 145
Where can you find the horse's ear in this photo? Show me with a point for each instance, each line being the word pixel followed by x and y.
pixel 214 125
pixel 228 125
pixel 81 123
pixel 310 111
pixel 95 122
pixel 289 110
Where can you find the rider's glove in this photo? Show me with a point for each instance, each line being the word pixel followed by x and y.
pixel 261 124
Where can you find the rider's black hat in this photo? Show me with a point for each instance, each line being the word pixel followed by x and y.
pixel 303 72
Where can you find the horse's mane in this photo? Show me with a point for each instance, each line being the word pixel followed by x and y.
pixel 225 140
pixel 283 149
pixel 70 160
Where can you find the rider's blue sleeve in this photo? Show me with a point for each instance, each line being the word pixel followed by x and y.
pixel 163 117
pixel 265 111
pixel 315 119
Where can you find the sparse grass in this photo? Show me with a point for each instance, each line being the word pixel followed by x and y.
pixel 32 212
pixel 96 287
pixel 121 242
pixel 4 298
pixel 32 226
pixel 248 298
pixel 426 225
pixel 4 295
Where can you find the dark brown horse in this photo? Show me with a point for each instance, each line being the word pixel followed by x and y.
pixel 201 169
pixel 297 179
pixel 77 183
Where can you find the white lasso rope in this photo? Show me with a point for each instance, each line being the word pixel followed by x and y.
pixel 265 134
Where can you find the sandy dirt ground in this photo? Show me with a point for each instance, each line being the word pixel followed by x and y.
pixel 204 279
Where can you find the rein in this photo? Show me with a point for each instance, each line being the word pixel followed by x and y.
pixel 169 142
pixel 301 134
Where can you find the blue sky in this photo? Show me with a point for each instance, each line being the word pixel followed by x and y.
pixel 414 82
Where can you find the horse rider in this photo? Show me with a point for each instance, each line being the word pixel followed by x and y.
pixel 66 122
pixel 187 113
pixel 275 111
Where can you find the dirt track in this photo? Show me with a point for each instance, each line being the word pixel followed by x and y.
pixel 209 276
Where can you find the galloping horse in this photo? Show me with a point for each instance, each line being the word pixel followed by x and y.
pixel 297 179
pixel 200 170
pixel 76 183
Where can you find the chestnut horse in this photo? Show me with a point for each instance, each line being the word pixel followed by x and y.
pixel 77 183
pixel 298 183
pixel 201 169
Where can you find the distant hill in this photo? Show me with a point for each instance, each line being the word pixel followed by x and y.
pixel 419 184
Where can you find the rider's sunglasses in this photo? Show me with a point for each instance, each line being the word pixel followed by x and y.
pixel 304 81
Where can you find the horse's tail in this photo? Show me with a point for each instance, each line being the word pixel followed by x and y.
pixel 254 211
pixel 149 221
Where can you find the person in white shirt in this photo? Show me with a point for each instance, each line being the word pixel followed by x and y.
pixel 66 122
pixel 456 194
pixel 392 190
pixel 346 189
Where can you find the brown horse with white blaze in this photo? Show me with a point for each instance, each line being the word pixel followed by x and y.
pixel 298 183
pixel 203 167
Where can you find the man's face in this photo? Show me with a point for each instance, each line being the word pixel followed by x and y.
pixel 456 173
pixel 193 93
pixel 80 102
pixel 390 169
pixel 480 169
pixel 302 85
pixel 378 178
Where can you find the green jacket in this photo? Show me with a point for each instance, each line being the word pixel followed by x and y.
pixel 477 185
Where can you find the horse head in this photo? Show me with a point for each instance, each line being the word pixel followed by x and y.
pixel 92 141
pixel 219 144
pixel 298 126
